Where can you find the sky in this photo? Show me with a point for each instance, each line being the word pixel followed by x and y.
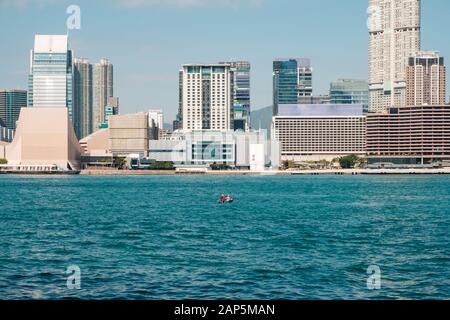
pixel 148 40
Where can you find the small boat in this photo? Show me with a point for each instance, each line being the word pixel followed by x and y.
pixel 226 199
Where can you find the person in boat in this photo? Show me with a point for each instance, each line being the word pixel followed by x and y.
pixel 223 198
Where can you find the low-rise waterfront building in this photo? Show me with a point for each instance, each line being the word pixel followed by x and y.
pixel 236 149
pixel 129 134
pixel 414 135
pixel 319 132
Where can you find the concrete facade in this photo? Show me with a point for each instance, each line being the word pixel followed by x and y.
pixel 319 132
pixel 409 135
pixel 129 134
pixel 45 137
pixel 231 148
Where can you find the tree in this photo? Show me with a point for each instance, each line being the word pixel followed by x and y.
pixel 3 161
pixel 348 162
pixel 119 162
pixel 162 166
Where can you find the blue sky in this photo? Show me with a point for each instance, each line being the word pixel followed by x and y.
pixel 148 40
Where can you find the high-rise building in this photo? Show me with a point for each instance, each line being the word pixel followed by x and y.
pixel 51 73
pixel 206 96
pixel 292 80
pixel 394 36
pixel 155 123
pixel 241 94
pixel 103 90
pixel 426 79
pixel 11 101
pixel 83 98
pixel 350 91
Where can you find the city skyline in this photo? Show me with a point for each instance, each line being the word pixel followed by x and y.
pixel 147 71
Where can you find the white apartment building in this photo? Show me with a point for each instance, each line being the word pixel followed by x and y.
pixel 103 90
pixel 206 97
pixel 319 132
pixel 394 36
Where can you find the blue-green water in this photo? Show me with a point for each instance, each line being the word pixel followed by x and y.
pixel 309 237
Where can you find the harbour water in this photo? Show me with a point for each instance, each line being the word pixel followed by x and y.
pixel 165 237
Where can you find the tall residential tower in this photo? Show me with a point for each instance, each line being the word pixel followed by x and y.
pixel 426 79
pixel 83 98
pixel 103 90
pixel 394 36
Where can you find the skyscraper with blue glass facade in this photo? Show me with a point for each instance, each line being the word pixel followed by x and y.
pixel 292 79
pixel 241 94
pixel 11 101
pixel 350 91
pixel 51 73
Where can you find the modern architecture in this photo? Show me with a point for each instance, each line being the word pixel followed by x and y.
pixel 103 90
pixel 50 82
pixel 11 101
pixel 292 80
pixel 350 91
pixel 319 132
pixel 426 79
pixel 83 98
pixel 394 36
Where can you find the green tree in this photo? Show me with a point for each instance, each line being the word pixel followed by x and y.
pixel 119 162
pixel 162 166
pixel 348 162
pixel 3 161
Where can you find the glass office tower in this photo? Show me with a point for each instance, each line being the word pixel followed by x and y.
pixel 292 79
pixel 350 91
pixel 241 94
pixel 11 101
pixel 51 73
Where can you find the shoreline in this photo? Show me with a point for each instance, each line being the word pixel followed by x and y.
pixel 342 172
pixel 441 171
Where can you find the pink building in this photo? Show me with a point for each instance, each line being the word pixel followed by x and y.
pixel 44 139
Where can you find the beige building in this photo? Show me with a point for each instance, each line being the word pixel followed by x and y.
pixel 44 137
pixel 129 134
pixel 319 132
pixel 206 97
pixel 394 36
pixel 426 79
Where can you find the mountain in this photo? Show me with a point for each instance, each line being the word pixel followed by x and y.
pixel 261 118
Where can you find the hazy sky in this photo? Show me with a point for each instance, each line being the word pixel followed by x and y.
pixel 148 40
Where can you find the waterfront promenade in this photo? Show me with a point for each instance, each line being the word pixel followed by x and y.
pixel 269 172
